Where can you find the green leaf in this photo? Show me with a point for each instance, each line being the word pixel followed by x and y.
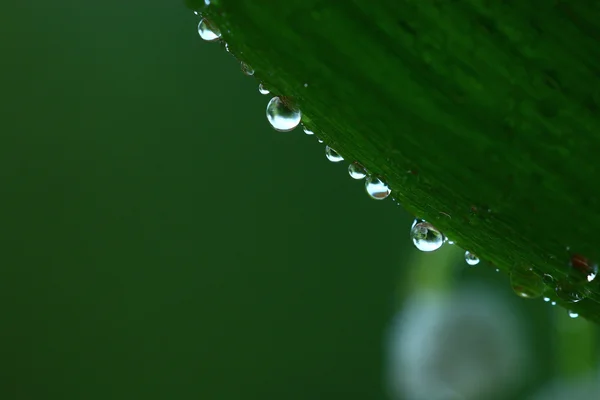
pixel 483 116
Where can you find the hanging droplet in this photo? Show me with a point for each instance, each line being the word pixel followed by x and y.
pixel 573 314
pixel 376 188
pixel 570 292
pixel 281 117
pixel 356 171
pixel 450 241
pixel 497 269
pixel 262 90
pixel 246 69
pixel 546 299
pixel 333 155
pixel 208 31
pixel 526 283
pixel 426 237
pixel 308 131
pixel 471 258
pixel 553 303
pixel 319 140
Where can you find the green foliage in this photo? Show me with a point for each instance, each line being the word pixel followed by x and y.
pixel 482 115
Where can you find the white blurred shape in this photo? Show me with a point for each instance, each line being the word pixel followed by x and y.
pixel 465 345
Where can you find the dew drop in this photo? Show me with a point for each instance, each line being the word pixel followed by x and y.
pixel 246 69
pixel 308 131
pixel 584 267
pixel 497 269
pixel 208 31
pixel 573 314
pixel 376 188
pixel 450 241
pixel 333 155
pixel 526 283
pixel 570 292
pixel 207 2
pixel 356 171
pixel 319 140
pixel 471 258
pixel 426 237
pixel 281 117
pixel 553 303
pixel 546 299
pixel 262 89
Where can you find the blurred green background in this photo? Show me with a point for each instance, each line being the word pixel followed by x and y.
pixel 160 240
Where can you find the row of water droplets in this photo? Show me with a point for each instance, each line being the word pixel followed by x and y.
pixel 283 116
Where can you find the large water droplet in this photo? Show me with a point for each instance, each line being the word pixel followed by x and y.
pixel 262 89
pixel 246 69
pixel 333 155
pixel 526 283
pixel 570 292
pixel 356 171
pixel 376 188
pixel 573 314
pixel 426 237
pixel 471 258
pixel 208 31
pixel 281 117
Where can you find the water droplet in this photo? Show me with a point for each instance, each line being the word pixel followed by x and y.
pixel 573 314
pixel 584 267
pixel 376 188
pixel 207 2
pixel 526 283
pixel 570 292
pixel 281 117
pixel 553 303
pixel 333 155
pixel 196 12
pixel 246 69
pixel 471 258
pixel 306 85
pixel 356 171
pixel 308 131
pixel 546 299
pixel 262 90
pixel 426 237
pixel 450 241
pixel 319 140
pixel 497 269
pixel 208 31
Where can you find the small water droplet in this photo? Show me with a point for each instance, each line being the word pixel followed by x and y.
pixel 573 314
pixel 471 258
pixel 281 117
pixel 208 31
pixel 306 85
pixel 450 241
pixel 546 299
pixel 196 12
pixel 570 292
pixel 319 140
pixel 526 283
pixel 376 188
pixel 246 69
pixel 262 89
pixel 497 269
pixel 426 237
pixel 583 267
pixel 308 131
pixel 356 171
pixel 553 303
pixel 333 155
pixel 207 2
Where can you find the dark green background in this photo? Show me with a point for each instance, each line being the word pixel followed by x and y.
pixel 159 239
